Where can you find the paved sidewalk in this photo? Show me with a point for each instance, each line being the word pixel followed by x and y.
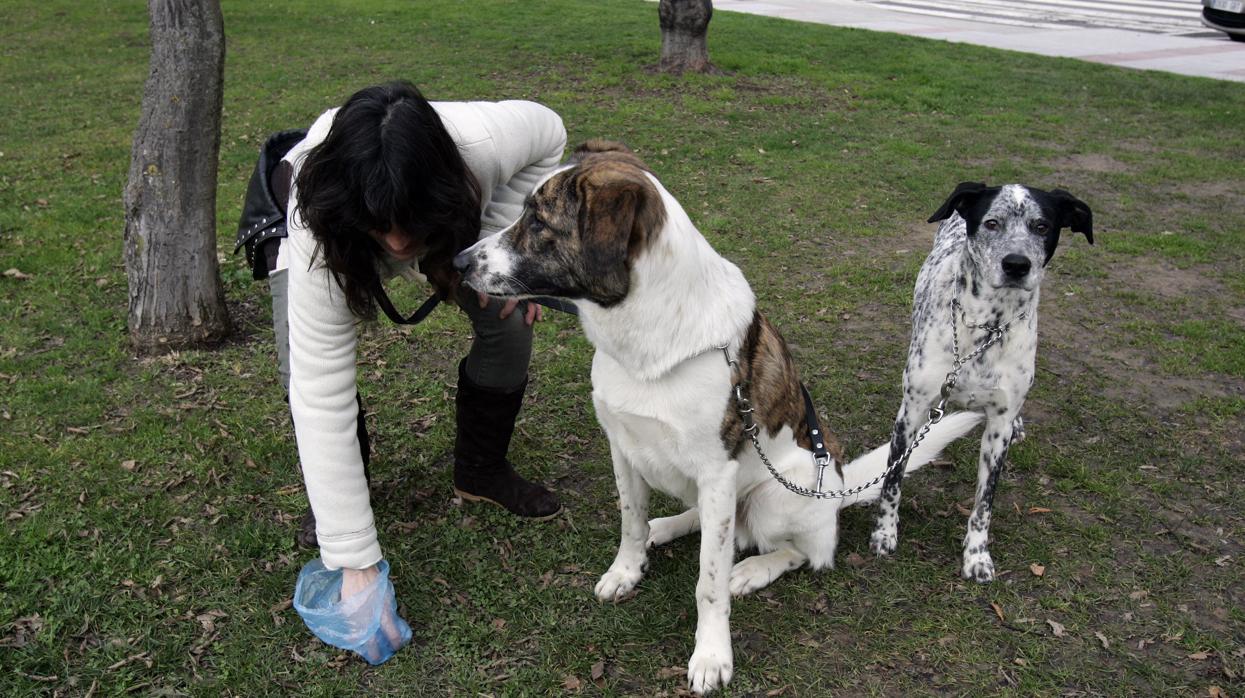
pixel 1205 54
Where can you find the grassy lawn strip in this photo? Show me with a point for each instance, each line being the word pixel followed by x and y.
pixel 149 503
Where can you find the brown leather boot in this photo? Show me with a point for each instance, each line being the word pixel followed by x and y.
pixel 485 421
pixel 305 536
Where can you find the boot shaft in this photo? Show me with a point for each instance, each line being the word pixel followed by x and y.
pixel 485 419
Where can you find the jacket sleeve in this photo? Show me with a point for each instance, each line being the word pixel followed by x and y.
pixel 322 402
pixel 528 139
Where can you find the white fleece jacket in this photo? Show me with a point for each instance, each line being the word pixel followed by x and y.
pixel 508 146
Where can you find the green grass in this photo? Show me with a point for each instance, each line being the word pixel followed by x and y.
pixel 149 503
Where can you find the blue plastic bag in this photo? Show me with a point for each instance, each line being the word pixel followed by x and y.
pixel 367 623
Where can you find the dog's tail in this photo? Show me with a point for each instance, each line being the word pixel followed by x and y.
pixel 871 465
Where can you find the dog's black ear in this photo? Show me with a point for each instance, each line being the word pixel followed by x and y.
pixel 1072 213
pixel 964 196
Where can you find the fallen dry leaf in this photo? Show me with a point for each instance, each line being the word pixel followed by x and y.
pixel 15 273
pixel 1056 629
pixel 571 683
pixel 129 465
pixel 24 631
pixel 499 623
pixel 1216 692
pixel 208 619
pixel 276 610
pixel 998 610
pixel 1039 510
pixel 670 672
pixel 598 671
pixel 1199 656
pixel 1138 595
pixel 1103 639
pixel 855 560
pixel 1037 570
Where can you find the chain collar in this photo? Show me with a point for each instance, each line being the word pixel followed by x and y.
pixel 821 457
pixel 994 333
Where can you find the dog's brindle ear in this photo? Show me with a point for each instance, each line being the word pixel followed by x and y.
pixel 1073 214
pixel 598 148
pixel 964 196
pixel 620 214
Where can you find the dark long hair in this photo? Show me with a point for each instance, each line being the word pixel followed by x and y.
pixel 387 161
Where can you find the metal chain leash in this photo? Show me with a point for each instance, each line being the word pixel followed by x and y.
pixel 936 413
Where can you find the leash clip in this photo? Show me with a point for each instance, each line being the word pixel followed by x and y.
pixel 744 407
pixel 823 462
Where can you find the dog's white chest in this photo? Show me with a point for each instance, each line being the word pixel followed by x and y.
pixel 1000 378
pixel 667 429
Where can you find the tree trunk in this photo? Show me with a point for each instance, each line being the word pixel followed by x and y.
pixel 684 31
pixel 176 298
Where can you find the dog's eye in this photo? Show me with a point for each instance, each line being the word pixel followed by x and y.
pixel 1041 228
pixel 991 224
pixel 536 225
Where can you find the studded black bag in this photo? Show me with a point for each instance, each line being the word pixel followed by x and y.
pixel 263 210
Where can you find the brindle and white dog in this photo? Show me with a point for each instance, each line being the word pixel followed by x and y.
pixel 988 259
pixel 656 301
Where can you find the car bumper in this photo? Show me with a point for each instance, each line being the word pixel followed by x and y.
pixel 1222 19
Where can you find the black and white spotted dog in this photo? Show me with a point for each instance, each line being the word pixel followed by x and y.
pixel 984 272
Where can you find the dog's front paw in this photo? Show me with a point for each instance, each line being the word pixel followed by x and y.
pixel 884 540
pixel 978 566
pixel 709 667
pixel 618 582
pixel 750 574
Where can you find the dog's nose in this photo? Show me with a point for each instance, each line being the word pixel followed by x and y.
pixel 1016 266
pixel 462 262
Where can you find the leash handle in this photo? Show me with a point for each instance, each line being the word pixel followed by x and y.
pixel 424 310
pixel 558 304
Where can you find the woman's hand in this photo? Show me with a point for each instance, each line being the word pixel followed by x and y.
pixel 355 581
pixel 532 313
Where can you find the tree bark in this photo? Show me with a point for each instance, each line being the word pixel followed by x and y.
pixel 176 298
pixel 684 32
